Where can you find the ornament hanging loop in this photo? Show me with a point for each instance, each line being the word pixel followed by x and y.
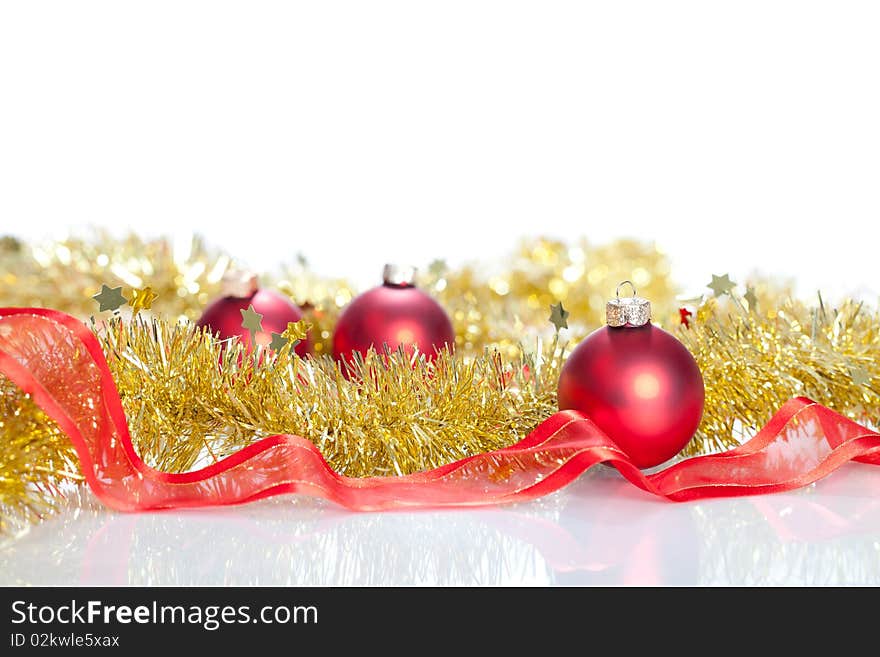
pixel 620 285
pixel 627 312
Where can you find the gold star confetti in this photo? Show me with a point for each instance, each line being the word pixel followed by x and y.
pixel 252 321
pixel 751 298
pixel 297 331
pixel 559 316
pixel 437 268
pixel 142 299
pixel 109 298
pixel 721 285
pixel 278 342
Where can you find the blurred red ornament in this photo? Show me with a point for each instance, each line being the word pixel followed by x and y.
pixel 638 383
pixel 224 316
pixel 396 314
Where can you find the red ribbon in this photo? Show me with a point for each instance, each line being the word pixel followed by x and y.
pixel 57 360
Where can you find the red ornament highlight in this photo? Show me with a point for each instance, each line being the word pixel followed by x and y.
pixel 638 383
pixel 396 314
pixel 224 317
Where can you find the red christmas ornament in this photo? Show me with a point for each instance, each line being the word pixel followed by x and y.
pixel 395 314
pixel 637 382
pixel 240 291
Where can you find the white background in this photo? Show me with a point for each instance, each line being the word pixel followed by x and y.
pixel 741 135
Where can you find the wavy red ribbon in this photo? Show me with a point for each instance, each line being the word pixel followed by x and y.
pixel 57 360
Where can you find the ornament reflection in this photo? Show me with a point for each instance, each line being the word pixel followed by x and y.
pixel 599 530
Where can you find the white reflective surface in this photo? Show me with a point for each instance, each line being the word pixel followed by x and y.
pixel 599 530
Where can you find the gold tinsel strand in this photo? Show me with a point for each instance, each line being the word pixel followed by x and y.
pixel 36 461
pixel 321 298
pixel 392 415
pixel 495 309
pixel 754 360
pixel 65 274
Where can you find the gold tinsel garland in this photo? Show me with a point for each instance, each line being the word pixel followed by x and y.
pixel 755 351
pixel 391 415
pixel 753 360
pixel 36 460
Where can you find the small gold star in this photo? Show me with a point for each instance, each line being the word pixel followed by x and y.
pixel 297 331
pixel 278 342
pixel 437 268
pixel 751 298
pixel 142 299
pixel 252 321
pixel 559 316
pixel 721 285
pixel 109 298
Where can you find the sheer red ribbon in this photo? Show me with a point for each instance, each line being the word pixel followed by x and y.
pixel 57 360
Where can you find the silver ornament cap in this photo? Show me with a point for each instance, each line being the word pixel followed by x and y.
pixel 399 275
pixel 627 311
pixel 239 283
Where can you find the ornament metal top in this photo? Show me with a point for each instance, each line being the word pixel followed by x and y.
pixel 399 275
pixel 629 311
pixel 239 283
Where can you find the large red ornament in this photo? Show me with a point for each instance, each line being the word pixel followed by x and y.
pixel 637 382
pixel 240 291
pixel 396 314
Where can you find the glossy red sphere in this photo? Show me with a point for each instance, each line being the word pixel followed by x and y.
pixel 224 318
pixel 640 385
pixel 396 315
